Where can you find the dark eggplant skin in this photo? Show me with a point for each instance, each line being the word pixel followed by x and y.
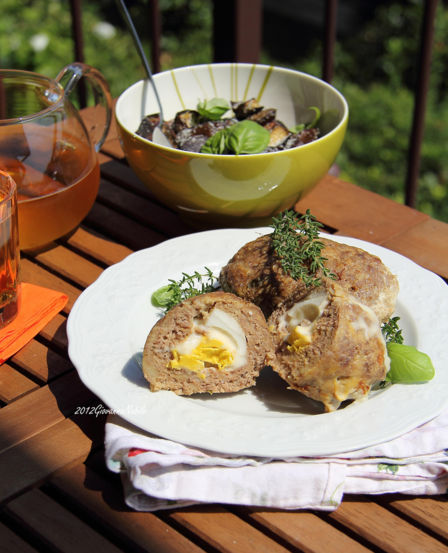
pixel 243 110
pixel 189 131
pixel 264 116
pixel 296 139
pixel 147 125
pixel 279 133
pixel 186 119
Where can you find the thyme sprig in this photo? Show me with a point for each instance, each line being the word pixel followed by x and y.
pixel 408 365
pixel 295 241
pixel 392 332
pixel 186 287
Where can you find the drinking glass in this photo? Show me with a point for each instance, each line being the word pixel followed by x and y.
pixel 9 250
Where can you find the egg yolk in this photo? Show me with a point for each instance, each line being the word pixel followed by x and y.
pixel 298 338
pixel 207 352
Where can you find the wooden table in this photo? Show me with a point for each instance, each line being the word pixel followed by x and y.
pixel 55 491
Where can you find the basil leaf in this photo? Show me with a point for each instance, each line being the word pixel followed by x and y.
pixel 213 109
pixel 216 144
pixel 247 137
pixel 162 296
pixel 408 364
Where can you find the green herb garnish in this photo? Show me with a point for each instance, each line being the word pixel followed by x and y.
pixel 311 125
pixel 213 109
pixel 188 286
pixel 216 144
pixel 391 331
pixel 245 137
pixel 295 241
pixel 408 365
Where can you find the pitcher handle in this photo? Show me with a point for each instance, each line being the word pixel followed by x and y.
pixel 68 78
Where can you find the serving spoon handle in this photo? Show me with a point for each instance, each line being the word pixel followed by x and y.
pixel 160 137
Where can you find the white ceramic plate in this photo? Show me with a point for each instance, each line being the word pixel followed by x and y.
pixel 111 319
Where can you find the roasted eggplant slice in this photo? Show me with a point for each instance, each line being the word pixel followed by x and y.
pixel 264 116
pixel 301 137
pixel 186 119
pixel 279 133
pixel 147 125
pixel 243 110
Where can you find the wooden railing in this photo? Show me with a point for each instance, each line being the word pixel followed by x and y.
pixel 237 36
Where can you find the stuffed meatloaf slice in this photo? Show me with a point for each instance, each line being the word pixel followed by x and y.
pixel 328 346
pixel 255 273
pixel 215 342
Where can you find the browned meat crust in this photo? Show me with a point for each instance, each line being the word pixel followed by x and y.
pixel 177 325
pixel 346 355
pixel 255 273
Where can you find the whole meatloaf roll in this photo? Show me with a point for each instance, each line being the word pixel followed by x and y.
pixel 256 274
pixel 215 342
pixel 328 346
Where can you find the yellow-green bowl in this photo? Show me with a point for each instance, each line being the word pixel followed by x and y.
pixel 232 190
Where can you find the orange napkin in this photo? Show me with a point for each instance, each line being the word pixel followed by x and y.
pixel 38 306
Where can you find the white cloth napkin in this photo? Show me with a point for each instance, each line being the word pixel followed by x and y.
pixel 160 474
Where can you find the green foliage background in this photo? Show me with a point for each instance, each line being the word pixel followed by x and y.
pixel 375 68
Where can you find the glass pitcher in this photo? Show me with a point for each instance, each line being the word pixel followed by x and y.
pixel 50 151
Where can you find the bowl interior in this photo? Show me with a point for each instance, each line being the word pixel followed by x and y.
pixel 292 93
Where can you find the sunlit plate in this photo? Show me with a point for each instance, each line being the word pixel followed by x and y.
pixel 110 321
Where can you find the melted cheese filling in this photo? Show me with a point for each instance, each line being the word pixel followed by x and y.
pixel 298 322
pixel 219 342
pixel 366 322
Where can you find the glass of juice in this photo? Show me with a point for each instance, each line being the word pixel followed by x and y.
pixel 9 251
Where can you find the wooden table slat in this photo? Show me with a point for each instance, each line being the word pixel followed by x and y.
pixel 429 512
pixel 42 408
pixel 307 531
pixel 104 502
pixel 225 531
pixel 31 272
pixel 14 384
pixel 41 362
pixel 357 212
pixel 34 460
pixel 112 144
pixel 142 210
pixel 70 265
pixel 55 331
pixel 55 525
pixel 91 245
pixel 113 148
pixel 122 229
pixel 120 173
pixel 426 244
pixel 12 543
pixel 386 530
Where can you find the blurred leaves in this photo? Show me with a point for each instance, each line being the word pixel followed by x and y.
pixel 107 43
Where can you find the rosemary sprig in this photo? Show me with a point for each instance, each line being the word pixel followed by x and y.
pixel 188 286
pixel 295 241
